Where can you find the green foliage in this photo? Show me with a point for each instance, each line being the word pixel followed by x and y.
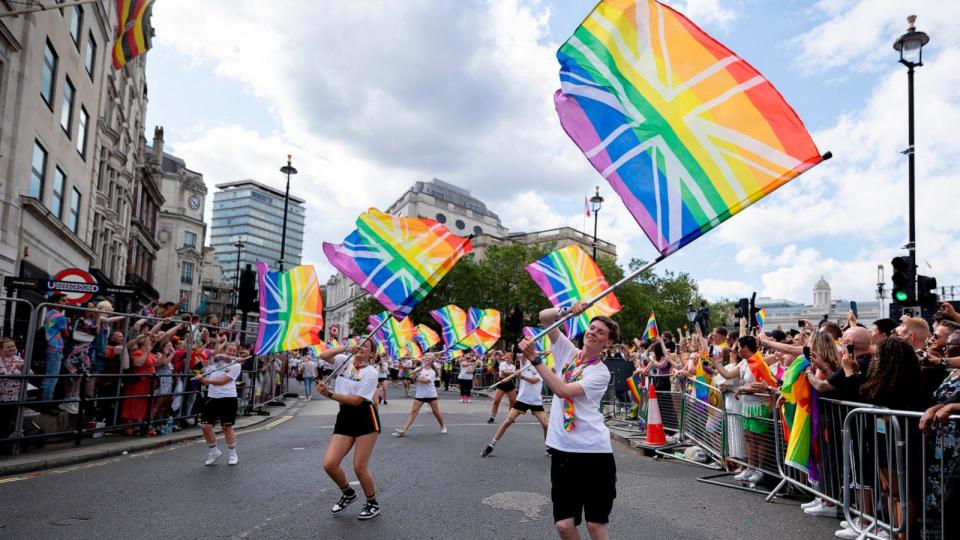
pixel 499 281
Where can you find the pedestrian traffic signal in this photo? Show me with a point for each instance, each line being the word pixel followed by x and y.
pixel 247 299
pixel 742 310
pixel 903 281
pixel 926 292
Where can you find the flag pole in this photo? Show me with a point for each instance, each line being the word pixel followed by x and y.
pixel 587 304
pixel 342 366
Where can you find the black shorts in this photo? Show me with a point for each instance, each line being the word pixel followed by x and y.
pixel 381 379
pixel 524 407
pixel 582 484
pixel 223 409
pixel 425 399
pixel 394 374
pixel 507 386
pixel 357 420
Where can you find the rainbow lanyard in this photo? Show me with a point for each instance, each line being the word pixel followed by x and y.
pixel 573 372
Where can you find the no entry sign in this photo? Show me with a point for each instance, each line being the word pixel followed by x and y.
pixel 75 284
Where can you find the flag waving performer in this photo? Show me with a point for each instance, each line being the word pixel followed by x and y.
pixel 398 261
pixel 686 132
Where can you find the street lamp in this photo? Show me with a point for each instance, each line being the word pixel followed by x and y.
pixel 595 203
pixel 236 277
pixel 287 169
pixel 910 46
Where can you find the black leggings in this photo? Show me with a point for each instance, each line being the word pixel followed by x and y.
pixel 466 385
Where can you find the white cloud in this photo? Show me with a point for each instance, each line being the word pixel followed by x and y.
pixel 716 289
pixel 703 12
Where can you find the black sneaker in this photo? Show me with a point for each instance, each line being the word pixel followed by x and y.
pixel 344 501
pixel 491 420
pixel 487 451
pixel 370 511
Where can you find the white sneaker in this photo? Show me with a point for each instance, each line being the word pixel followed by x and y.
pixel 755 477
pixel 213 456
pixel 821 510
pixel 846 533
pixel 815 502
pixel 399 433
pixel 742 475
pixel 443 429
pixel 233 459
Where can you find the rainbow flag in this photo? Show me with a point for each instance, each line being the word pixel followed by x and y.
pixel 686 132
pixel 291 309
pixel 334 343
pixel 483 330
pixel 542 345
pixel 426 337
pixel 650 333
pixel 702 390
pixel 569 275
pixel 796 389
pixel 453 324
pixel 761 318
pixel 397 260
pixel 395 334
pixel 634 391
pixel 412 349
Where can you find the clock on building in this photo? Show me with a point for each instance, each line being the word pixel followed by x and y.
pixel 194 202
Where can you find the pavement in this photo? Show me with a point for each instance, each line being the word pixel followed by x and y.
pixel 430 486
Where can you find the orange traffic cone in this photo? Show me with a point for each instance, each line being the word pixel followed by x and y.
pixel 655 435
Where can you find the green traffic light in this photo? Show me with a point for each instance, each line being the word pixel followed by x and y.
pixel 900 296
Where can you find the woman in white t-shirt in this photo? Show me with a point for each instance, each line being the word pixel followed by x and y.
pixel 426 392
pixel 220 378
pixel 383 373
pixel 465 378
pixel 357 425
pixel 406 370
pixel 506 370
pixel 583 473
pixel 529 398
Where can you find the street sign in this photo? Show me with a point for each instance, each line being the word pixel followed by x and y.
pixel 75 284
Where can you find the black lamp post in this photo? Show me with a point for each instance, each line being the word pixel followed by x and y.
pixel 236 277
pixel 910 46
pixel 595 203
pixel 287 169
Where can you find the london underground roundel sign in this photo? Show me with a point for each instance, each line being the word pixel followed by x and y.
pixel 75 284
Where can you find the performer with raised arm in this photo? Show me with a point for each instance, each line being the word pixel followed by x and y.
pixel 425 392
pixel 529 398
pixel 357 425
pixel 583 474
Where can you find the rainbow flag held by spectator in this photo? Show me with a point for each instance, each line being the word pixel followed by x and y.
pixel 291 309
pixel 686 132
pixel 796 389
pixel 634 391
pixel 650 333
pixel 569 275
pixel 542 345
pixel 397 260
pixel 761 319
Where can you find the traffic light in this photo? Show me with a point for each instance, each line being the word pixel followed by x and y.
pixel 742 310
pixel 903 281
pixel 247 299
pixel 926 292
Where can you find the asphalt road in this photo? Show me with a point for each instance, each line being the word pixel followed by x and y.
pixel 430 486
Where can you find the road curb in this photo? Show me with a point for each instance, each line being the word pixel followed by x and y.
pixel 83 455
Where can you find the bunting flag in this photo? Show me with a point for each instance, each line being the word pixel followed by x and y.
pixel 397 260
pixel 650 333
pixel 291 310
pixel 483 330
pixel 542 345
pixel 634 391
pixel 426 338
pixel 761 318
pixel 686 132
pixel 797 390
pixel 134 31
pixel 569 275
pixel 453 324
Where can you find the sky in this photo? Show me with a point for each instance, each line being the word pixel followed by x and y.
pixel 371 96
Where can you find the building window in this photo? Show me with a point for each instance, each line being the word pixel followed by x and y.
pixel 82 133
pixel 66 111
pixel 38 170
pixel 74 221
pixel 90 55
pixel 49 75
pixel 186 273
pixel 189 239
pixel 477 230
pixel 59 181
pixel 441 218
pixel 461 224
pixel 76 22
pixel 185 307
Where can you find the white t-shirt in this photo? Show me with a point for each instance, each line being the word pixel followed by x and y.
pixel 466 373
pixel 426 390
pixel 362 383
pixel 530 393
pixel 507 368
pixel 225 390
pixel 590 435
